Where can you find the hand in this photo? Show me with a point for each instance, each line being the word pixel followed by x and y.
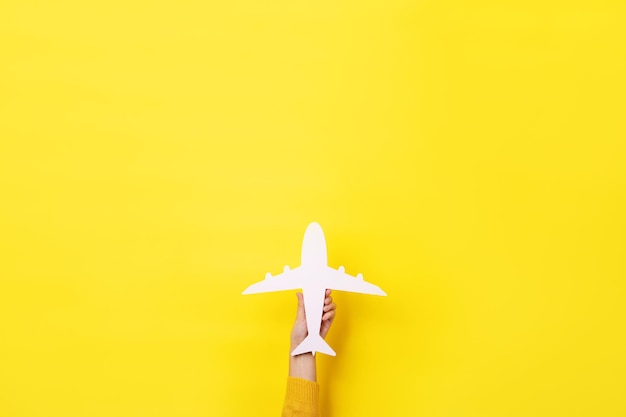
pixel 303 366
pixel 299 331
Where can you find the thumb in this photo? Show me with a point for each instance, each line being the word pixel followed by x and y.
pixel 300 315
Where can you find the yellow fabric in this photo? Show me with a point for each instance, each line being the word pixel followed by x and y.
pixel 302 399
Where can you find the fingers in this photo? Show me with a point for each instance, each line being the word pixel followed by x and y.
pixel 328 298
pixel 329 307
pixel 329 316
pixel 329 311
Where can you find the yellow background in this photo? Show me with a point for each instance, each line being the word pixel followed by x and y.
pixel 158 157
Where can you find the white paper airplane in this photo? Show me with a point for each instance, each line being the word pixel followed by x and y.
pixel 314 276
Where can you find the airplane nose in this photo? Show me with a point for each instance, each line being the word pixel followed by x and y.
pixel 314 226
pixel 314 246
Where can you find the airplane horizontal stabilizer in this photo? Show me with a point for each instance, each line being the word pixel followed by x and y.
pixel 313 343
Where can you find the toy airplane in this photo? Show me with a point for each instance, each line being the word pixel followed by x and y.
pixel 314 276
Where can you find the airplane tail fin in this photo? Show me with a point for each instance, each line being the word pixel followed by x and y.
pixel 313 343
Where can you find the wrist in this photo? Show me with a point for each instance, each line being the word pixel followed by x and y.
pixel 303 366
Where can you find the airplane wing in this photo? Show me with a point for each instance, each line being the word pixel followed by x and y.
pixel 339 280
pixel 288 280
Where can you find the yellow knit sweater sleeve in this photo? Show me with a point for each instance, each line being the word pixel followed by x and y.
pixel 302 399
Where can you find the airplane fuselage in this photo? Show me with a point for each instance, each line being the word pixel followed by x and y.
pixel 315 259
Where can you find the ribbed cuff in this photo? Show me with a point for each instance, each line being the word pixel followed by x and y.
pixel 302 397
